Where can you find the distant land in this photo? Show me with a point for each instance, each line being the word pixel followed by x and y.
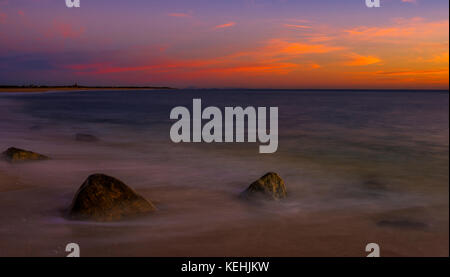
pixel 75 87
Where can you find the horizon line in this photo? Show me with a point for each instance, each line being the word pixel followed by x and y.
pixel 75 86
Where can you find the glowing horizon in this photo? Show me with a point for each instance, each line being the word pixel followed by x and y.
pixel 237 43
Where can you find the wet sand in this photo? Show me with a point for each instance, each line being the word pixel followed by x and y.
pixel 200 222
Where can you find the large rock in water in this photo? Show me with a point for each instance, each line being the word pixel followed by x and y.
pixel 13 154
pixel 105 198
pixel 270 186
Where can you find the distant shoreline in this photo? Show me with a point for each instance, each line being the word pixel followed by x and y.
pixel 36 89
pixel 31 89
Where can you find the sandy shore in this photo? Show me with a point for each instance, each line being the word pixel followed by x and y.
pixel 259 233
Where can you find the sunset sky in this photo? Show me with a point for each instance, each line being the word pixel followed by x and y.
pixel 226 44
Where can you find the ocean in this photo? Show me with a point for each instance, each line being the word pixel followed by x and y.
pixel 359 166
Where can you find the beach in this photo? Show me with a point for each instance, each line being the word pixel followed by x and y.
pixel 359 167
pixel 261 232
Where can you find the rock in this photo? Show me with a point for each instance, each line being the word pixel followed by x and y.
pixel 13 154
pixel 86 138
pixel 402 223
pixel 270 185
pixel 105 198
pixel 36 127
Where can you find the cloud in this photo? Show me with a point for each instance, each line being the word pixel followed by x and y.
pixel 107 68
pixel 185 15
pixel 257 68
pixel 297 26
pixel 414 72
pixel 67 30
pixel 30 62
pixel 411 28
pixel 374 32
pixel 226 25
pixel 282 47
pixel 275 56
pixel 439 58
pixel 359 60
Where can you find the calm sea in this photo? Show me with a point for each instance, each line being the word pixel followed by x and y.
pixel 359 166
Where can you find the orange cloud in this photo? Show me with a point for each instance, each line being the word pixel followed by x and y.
pixel 179 15
pixel 439 58
pixel 297 26
pixel 414 72
pixel 272 68
pixel 413 28
pixel 374 32
pixel 277 47
pixel 226 25
pixel 274 57
pixel 359 60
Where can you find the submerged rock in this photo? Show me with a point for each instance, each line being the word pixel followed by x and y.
pixel 270 185
pixel 13 154
pixel 36 127
pixel 402 223
pixel 86 138
pixel 105 198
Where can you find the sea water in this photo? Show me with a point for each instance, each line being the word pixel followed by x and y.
pixel 359 166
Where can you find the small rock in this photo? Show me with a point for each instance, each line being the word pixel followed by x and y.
pixel 105 198
pixel 402 223
pixel 270 185
pixel 36 127
pixel 86 138
pixel 13 154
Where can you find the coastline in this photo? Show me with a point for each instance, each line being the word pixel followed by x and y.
pixel 57 89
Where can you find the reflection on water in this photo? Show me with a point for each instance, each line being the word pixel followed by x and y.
pixel 359 166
